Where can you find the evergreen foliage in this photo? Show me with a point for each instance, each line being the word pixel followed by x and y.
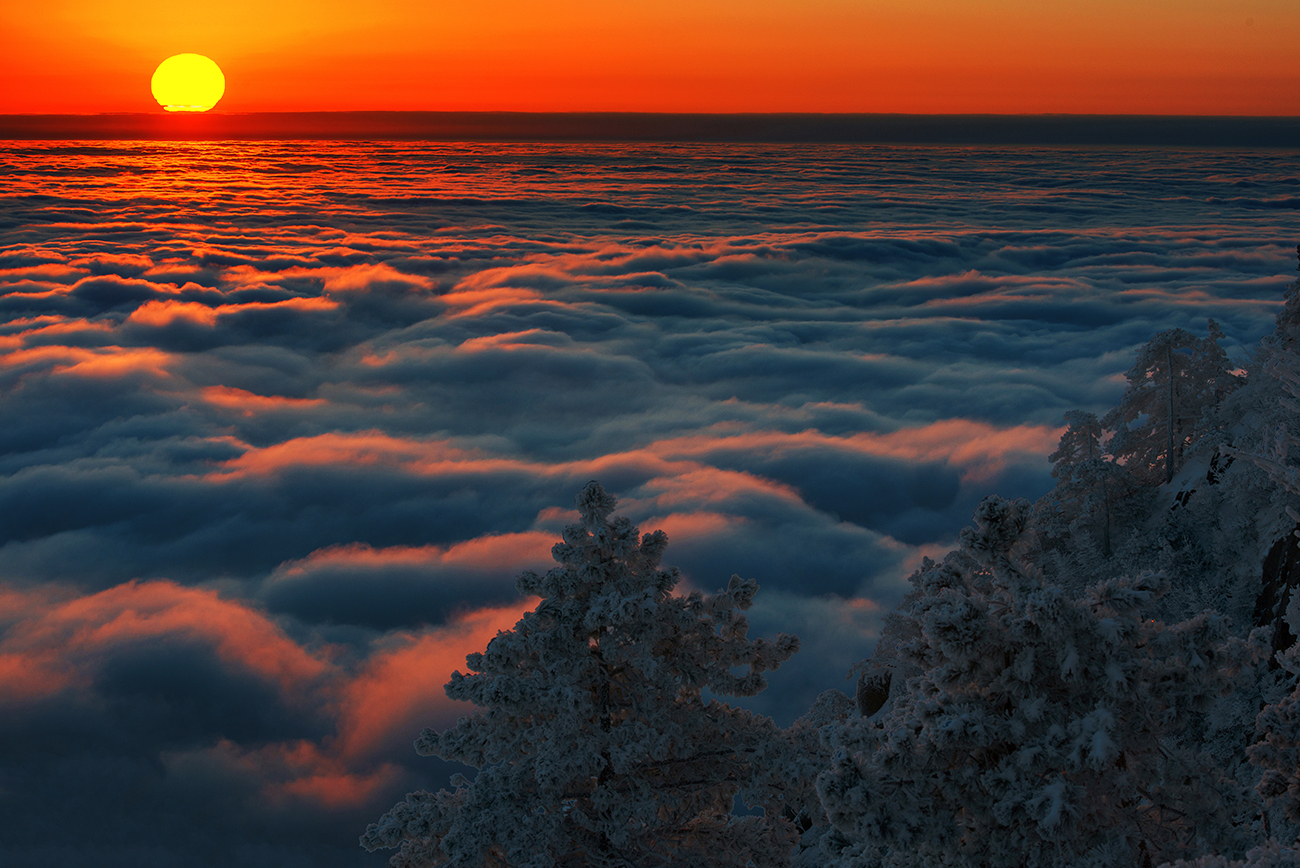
pixel 1088 481
pixel 1278 724
pixel 810 754
pixel 1275 459
pixel 1176 379
pixel 1041 730
pixel 1268 855
pixel 1059 691
pixel 595 745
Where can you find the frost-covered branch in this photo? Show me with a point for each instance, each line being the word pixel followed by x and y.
pixel 594 744
pixel 1038 730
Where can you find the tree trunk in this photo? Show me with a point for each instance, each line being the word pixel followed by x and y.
pixel 1105 503
pixel 1105 517
pixel 1169 444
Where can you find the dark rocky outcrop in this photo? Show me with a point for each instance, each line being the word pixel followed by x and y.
pixel 1280 577
pixel 872 693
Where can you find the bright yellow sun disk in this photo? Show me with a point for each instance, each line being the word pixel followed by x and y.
pixel 187 83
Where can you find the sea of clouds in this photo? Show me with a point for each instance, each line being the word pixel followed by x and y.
pixel 283 421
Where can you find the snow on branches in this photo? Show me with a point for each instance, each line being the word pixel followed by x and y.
pixel 1088 482
pixel 1278 724
pixel 1040 730
pixel 1278 460
pixel 1270 854
pixel 595 745
pixel 1176 379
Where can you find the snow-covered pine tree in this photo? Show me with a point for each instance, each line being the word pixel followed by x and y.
pixel 807 757
pixel 1278 754
pixel 1278 724
pixel 1288 320
pixel 1262 421
pixel 1087 483
pixel 1041 731
pixel 1268 855
pixel 595 746
pixel 1176 379
pixel 1283 365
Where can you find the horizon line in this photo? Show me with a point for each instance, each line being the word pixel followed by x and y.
pixel 1048 128
pixel 159 112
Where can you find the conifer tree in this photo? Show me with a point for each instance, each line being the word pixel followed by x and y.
pixel 1176 379
pixel 1276 459
pixel 1041 731
pixel 1086 480
pixel 594 743
pixel 806 758
pixel 1270 854
pixel 1278 724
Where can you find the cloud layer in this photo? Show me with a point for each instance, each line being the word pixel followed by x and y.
pixel 284 421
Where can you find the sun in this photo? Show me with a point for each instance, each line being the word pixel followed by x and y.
pixel 187 83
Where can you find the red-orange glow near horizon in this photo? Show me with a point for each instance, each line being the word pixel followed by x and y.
pixel 1098 56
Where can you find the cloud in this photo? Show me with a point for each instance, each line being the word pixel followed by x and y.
pixel 404 586
pixel 248 403
pixel 67 637
pixel 399 690
pixel 200 712
pixel 833 631
pixel 278 439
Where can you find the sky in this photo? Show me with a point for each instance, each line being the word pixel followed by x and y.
pixel 1198 57
pixel 284 420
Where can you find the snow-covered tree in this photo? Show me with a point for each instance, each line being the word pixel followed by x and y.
pixel 1041 730
pixel 1176 379
pixel 807 757
pixel 1276 460
pixel 1087 481
pixel 1287 333
pixel 1267 855
pixel 1278 724
pixel 594 743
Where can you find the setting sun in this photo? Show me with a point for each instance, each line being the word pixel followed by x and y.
pixel 188 83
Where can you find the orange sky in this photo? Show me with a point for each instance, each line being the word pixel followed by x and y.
pixel 1086 56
